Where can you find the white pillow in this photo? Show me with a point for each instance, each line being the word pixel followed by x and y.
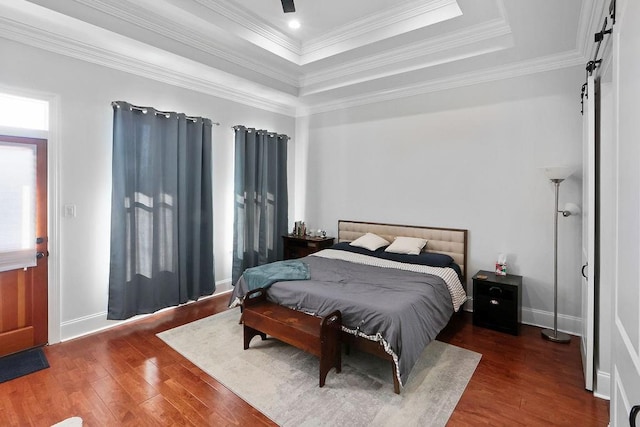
pixel 369 241
pixel 407 245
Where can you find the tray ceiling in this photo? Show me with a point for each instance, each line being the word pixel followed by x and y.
pixel 345 52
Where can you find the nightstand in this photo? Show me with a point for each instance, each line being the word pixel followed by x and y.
pixel 497 302
pixel 300 246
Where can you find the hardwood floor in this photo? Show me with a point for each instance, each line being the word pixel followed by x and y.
pixel 128 376
pixel 523 380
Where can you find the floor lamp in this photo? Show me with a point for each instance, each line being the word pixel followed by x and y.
pixel 556 175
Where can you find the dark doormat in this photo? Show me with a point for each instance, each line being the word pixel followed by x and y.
pixel 23 363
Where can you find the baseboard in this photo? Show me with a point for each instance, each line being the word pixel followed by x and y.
pixel 602 388
pixel 569 324
pixel 97 322
pixel 544 319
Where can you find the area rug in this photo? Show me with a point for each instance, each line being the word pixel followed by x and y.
pixel 282 381
pixel 23 363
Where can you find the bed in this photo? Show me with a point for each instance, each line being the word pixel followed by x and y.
pixel 392 305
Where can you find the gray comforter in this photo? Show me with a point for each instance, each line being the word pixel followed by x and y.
pixel 402 309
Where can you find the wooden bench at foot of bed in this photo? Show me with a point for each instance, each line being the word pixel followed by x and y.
pixel 314 335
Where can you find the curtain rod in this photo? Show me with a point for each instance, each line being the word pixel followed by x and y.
pixel 158 112
pixel 595 62
pixel 236 127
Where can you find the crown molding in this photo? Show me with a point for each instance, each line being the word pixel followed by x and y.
pixel 56 43
pixel 425 49
pixel 51 32
pixel 187 34
pixel 379 26
pixel 592 14
pixel 377 21
pixel 523 68
pixel 201 78
pixel 252 23
pixel 338 40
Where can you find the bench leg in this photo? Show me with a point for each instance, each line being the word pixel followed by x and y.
pixel 330 351
pixel 249 333
pixel 330 357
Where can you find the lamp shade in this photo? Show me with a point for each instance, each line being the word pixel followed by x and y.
pixel 559 173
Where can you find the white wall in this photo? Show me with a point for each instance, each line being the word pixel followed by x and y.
pixel 84 138
pixel 465 158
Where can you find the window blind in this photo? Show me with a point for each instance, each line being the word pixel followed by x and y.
pixel 17 206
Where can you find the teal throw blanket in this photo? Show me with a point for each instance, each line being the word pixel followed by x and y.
pixel 267 274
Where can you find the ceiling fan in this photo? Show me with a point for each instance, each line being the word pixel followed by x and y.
pixel 288 6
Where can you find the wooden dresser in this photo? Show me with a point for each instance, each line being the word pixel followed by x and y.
pixel 301 246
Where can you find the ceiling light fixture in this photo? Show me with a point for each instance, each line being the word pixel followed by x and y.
pixel 294 24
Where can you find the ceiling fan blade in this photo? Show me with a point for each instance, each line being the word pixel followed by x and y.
pixel 288 6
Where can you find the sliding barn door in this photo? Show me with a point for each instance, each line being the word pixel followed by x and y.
pixel 625 336
pixel 589 273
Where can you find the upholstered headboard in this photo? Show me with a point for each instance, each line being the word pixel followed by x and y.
pixel 450 241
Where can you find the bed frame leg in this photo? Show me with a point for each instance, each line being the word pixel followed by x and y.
pixel 396 383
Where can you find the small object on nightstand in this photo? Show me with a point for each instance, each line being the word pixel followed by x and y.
pixel 501 265
pixel 497 301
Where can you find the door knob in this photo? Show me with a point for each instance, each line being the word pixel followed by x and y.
pixel 40 255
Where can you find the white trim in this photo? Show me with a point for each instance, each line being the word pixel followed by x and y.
pixel 376 22
pixel 170 68
pixel 523 68
pixel 182 72
pixel 282 44
pixel 633 352
pixel 590 22
pixel 86 325
pixel 544 319
pixel 376 27
pixel 97 322
pixel 619 393
pixel 602 388
pixel 425 49
pixel 379 26
pixel 53 181
pixel 27 133
pixel 181 31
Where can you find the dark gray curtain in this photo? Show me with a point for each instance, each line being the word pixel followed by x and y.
pixel 261 203
pixel 161 211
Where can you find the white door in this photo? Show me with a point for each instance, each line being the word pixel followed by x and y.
pixel 625 334
pixel 590 133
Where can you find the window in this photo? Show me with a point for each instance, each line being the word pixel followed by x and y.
pixel 18 180
pixel 23 113
pixel 18 201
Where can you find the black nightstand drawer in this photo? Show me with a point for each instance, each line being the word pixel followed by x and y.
pixel 497 302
